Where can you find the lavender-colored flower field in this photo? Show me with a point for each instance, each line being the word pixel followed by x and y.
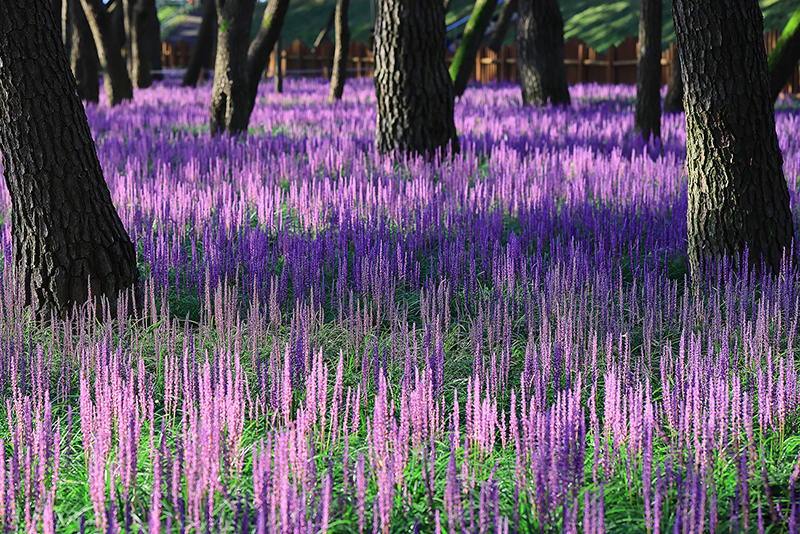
pixel 337 341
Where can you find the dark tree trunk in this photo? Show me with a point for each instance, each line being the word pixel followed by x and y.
pixel 647 115
pixel 117 83
pixel 323 33
pixel 340 52
pixel 738 195
pixel 137 58
pixel 464 60
pixel 278 66
pixel 446 5
pixel 503 24
pixel 68 239
pixel 412 85
pixel 82 53
pixel 673 102
pixel 540 53
pixel 229 102
pixel 784 57
pixel 151 34
pixel 262 45
pixel 201 52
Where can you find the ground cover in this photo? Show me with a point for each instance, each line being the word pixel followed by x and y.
pixel 337 341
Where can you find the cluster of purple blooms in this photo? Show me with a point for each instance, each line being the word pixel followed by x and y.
pixel 333 340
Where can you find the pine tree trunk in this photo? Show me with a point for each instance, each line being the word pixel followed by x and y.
pixel 784 57
pixel 464 60
pixel 412 85
pixel 82 53
pixel 137 59
pixel 540 53
pixel 261 47
pixel 738 195
pixel 503 24
pixel 68 240
pixel 647 114
pixel 117 83
pixel 229 101
pixel 673 102
pixel 203 45
pixel 342 31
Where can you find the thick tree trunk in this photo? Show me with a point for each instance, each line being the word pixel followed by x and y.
pixel 647 115
pixel 503 24
pixel 229 101
pixel 412 85
pixel 464 60
pixel 82 53
pixel 151 39
pixel 340 52
pixel 738 195
pixel 67 237
pixel 137 57
pixel 117 83
pixel 262 45
pixel 201 52
pixel 540 53
pixel 784 57
pixel 673 102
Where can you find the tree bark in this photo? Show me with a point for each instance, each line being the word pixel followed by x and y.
pixel 117 83
pixel 261 47
pixel 342 31
pixel 647 114
pixel 464 60
pixel 229 101
pixel 738 197
pixel 201 52
pixel 82 53
pixel 673 102
pixel 503 24
pixel 278 66
pixel 150 35
pixel 68 240
pixel 784 57
pixel 412 85
pixel 540 53
pixel 323 33
pixel 137 59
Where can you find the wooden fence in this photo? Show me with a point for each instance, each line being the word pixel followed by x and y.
pixel 583 63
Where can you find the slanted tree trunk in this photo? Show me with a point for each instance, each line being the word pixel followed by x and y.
pixel 647 114
pixel 673 102
pixel 340 52
pixel 503 24
pixel 738 195
pixel 201 52
pixel 262 45
pixel 540 53
pixel 68 240
pixel 137 58
pixel 323 33
pixel 412 85
pixel 117 83
pixel 82 53
pixel 229 101
pixel 784 57
pixel 464 60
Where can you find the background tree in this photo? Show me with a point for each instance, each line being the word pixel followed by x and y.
pixel 464 60
pixel 412 85
pixel 502 25
pixel 784 57
pixel 81 50
pixel 673 102
pixel 117 83
pixel 540 53
pixel 738 196
pixel 647 114
pixel 136 17
pixel 67 236
pixel 340 52
pixel 203 45
pixel 261 47
pixel 229 99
